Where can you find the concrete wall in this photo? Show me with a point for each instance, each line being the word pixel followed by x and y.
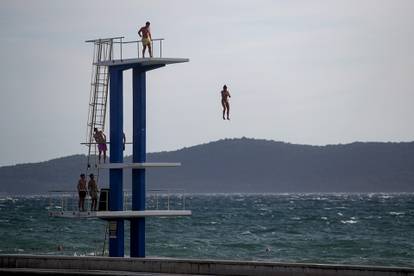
pixel 209 267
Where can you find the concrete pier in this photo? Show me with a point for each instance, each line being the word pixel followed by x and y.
pixel 65 265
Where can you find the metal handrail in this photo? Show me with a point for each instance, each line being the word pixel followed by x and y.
pixel 119 41
pixel 137 42
pixel 104 39
pixel 66 200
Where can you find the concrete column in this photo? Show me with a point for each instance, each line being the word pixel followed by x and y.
pixel 139 156
pixel 116 237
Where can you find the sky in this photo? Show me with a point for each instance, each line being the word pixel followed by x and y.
pixel 305 72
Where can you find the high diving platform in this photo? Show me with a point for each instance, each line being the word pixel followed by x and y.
pixel 142 62
pixel 111 58
pixel 128 53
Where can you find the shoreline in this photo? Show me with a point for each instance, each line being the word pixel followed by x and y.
pixel 66 265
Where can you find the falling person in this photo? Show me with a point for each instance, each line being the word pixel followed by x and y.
pixel 225 94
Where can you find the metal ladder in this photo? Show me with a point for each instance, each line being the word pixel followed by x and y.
pixel 98 99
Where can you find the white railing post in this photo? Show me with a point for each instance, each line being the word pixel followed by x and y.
pixel 138 48
pixel 161 48
pixel 121 48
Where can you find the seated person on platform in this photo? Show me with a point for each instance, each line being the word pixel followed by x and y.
pixel 93 191
pixel 100 138
pixel 82 192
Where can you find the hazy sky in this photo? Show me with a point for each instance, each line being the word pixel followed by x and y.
pixel 309 72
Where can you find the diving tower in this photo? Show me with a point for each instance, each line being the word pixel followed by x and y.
pixel 125 55
pixel 139 66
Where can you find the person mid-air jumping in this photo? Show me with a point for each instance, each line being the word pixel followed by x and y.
pixel 225 94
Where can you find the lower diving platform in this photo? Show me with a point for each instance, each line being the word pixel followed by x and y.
pixel 120 214
pixel 137 165
pixel 159 203
pixel 140 214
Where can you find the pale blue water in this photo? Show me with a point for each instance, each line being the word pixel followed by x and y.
pixel 368 229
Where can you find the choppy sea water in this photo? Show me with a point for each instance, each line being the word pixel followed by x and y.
pixel 362 229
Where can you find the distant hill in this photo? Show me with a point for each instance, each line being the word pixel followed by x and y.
pixel 244 165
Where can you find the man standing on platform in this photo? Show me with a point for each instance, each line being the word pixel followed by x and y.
pixel 145 34
pixel 100 138
pixel 82 192
pixel 93 191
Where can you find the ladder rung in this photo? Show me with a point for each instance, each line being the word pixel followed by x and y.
pixel 99 97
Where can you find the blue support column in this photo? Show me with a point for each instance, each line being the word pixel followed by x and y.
pixel 139 156
pixel 116 237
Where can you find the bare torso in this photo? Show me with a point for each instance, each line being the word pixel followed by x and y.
pixel 145 32
pixel 82 185
pixel 225 95
pixel 93 188
pixel 100 137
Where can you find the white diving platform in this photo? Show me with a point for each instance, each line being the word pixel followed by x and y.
pixel 138 214
pixel 137 165
pixel 120 214
pixel 159 203
pixel 142 61
pixel 72 214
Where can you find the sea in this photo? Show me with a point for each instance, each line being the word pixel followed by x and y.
pixel 356 229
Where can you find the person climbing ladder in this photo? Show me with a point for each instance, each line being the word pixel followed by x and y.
pixel 100 138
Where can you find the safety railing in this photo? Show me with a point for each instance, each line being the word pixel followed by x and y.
pixel 160 199
pixel 133 49
pixel 122 49
pixel 64 201
pixel 157 199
